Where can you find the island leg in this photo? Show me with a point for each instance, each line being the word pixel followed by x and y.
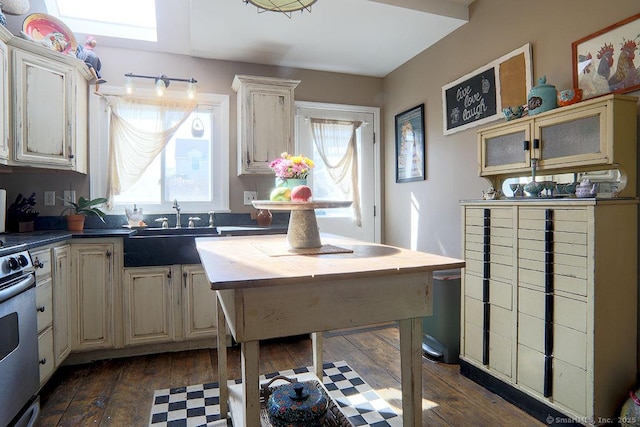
pixel 250 383
pixel 317 342
pixel 222 360
pixel 411 371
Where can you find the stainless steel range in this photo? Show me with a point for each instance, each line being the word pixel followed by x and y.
pixel 19 368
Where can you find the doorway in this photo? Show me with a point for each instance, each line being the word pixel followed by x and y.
pixel 341 140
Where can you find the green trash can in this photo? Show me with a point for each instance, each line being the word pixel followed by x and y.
pixel 441 330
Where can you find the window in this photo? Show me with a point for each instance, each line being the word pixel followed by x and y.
pixel 192 168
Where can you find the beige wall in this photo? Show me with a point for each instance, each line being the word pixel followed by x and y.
pixel 214 77
pixel 425 215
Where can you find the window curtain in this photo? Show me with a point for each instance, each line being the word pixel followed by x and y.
pixel 335 141
pixel 139 129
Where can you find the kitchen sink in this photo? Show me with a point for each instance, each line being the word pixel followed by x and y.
pixel 158 232
pixel 164 246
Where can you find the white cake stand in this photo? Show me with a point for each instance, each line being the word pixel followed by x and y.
pixel 303 228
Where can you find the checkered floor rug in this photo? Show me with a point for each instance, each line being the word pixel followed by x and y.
pixel 199 405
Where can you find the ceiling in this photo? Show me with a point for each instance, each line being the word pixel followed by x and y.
pixel 363 37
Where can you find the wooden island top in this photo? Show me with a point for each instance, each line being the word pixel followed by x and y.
pixel 254 261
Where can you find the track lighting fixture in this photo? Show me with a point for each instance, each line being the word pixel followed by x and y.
pixel 161 83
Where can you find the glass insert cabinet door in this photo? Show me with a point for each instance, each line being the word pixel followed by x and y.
pixel 578 137
pixel 505 149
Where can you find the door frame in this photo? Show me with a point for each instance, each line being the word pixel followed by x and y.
pixel 377 150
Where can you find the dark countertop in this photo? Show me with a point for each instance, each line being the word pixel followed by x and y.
pixel 36 239
pixel 249 230
pixel 12 242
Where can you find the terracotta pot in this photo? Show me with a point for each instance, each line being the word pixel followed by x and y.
pixel 264 217
pixel 75 222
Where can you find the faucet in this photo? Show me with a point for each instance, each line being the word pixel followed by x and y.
pixel 176 206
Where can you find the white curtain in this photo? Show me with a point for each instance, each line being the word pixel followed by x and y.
pixel 139 129
pixel 336 143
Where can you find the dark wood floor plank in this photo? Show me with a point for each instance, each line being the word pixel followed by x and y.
pixel 119 392
pixel 140 377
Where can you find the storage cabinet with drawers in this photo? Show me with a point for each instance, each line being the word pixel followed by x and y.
pixel 549 301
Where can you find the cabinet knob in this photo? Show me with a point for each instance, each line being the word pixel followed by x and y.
pixel 43 361
pixel 41 309
pixel 37 263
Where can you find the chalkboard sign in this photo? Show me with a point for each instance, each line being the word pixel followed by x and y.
pixel 479 96
pixel 471 100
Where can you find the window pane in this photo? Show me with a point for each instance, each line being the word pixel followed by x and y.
pixel 323 186
pixel 182 171
pixel 188 175
pixel 147 189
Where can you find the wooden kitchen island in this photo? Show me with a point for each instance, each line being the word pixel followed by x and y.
pixel 265 291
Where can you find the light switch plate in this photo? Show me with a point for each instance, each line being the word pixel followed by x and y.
pixel 249 196
pixel 69 195
pixel 49 198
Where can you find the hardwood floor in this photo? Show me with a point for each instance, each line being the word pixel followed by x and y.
pixel 118 392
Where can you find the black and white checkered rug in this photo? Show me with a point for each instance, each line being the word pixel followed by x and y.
pixel 199 405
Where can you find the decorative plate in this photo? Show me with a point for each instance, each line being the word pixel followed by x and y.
pixel 50 32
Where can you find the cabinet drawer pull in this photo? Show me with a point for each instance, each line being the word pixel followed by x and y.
pixel 43 361
pixel 37 263
pixel 41 309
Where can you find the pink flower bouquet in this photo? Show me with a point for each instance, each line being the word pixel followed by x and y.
pixel 291 167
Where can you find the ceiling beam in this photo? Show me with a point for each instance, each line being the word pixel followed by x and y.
pixel 458 9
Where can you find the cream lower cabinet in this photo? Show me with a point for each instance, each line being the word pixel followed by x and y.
pixel 569 337
pixel 95 265
pixel 61 258
pixel 44 306
pixel 167 303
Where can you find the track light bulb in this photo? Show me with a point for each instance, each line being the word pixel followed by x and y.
pixel 160 87
pixel 191 90
pixel 128 85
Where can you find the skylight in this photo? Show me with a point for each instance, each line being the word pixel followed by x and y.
pixel 114 18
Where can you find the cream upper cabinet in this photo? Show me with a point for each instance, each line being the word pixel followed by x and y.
pixel 95 281
pixel 49 105
pixel 542 312
pixel 265 118
pixel 4 100
pixel 593 134
pixel 167 303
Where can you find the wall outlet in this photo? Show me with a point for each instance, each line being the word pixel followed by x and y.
pixel 69 195
pixel 49 198
pixel 249 196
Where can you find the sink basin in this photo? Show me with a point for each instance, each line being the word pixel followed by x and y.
pixel 164 246
pixel 169 232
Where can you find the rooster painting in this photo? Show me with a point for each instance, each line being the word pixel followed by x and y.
pixel 598 82
pixel 626 74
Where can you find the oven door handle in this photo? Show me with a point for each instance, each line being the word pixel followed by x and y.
pixel 22 285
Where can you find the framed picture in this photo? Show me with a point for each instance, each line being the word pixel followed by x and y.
pixel 479 97
pixel 410 145
pixel 603 61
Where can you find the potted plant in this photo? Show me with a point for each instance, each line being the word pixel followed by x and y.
pixel 79 210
